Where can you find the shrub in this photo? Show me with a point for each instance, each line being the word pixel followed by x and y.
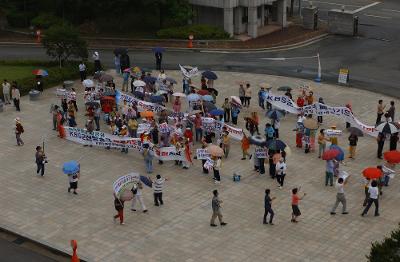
pixel 199 32
pixel 44 21
pixel 387 250
pixel 18 19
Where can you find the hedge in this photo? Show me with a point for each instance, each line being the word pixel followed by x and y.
pixel 198 31
pixel 45 20
pixel 388 250
pixel 56 75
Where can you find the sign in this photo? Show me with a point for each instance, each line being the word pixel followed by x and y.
pixel 164 128
pixel 209 164
pixel 261 152
pixel 343 76
pixel 143 128
pixel 169 153
pixel 333 132
pixel 202 153
pixel 125 181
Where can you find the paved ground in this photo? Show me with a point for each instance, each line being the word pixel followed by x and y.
pixel 179 231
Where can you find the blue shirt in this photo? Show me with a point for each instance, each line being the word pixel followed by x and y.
pixel 235 112
pixel 329 166
pixel 269 132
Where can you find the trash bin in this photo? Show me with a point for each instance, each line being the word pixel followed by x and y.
pixel 1 105
pixel 34 95
pixel 68 85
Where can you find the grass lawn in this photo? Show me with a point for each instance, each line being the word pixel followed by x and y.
pixel 11 72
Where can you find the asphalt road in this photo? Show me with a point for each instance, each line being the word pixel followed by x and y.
pixel 11 252
pixel 372 57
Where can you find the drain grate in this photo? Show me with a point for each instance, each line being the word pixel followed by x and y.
pixel 19 241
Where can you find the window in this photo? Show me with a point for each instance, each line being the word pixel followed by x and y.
pixel 245 15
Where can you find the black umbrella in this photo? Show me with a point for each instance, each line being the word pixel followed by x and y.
pixel 120 51
pixel 355 131
pixel 212 90
pixel 387 128
pixel 157 99
pixel 257 140
pixel 210 75
pixel 275 144
pixel 138 94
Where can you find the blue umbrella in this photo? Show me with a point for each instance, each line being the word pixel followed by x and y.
pixel 71 167
pixel 149 79
pixel 145 180
pixel 157 99
pixel 208 98
pixel 339 157
pixel 217 112
pixel 275 144
pixel 275 114
pixel 193 97
pixel 210 75
pixel 158 49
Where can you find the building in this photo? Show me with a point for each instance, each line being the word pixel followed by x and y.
pixel 240 16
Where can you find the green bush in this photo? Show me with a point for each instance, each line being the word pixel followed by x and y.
pixel 388 250
pixel 18 18
pixel 56 75
pixel 198 31
pixel 44 21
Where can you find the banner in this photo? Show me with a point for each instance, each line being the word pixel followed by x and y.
pixel 143 128
pixel 123 182
pixel 169 153
pixel 164 128
pixel 285 103
pixel 189 74
pixel 202 153
pixel 333 132
pixel 261 152
pixel 63 93
pixel 209 164
pixel 141 105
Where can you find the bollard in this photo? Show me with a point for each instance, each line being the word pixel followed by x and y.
pixel 38 35
pixel 190 43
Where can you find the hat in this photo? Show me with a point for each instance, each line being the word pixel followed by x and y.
pixel 333 126
pixel 17 119
pixel 188 128
pixel 124 126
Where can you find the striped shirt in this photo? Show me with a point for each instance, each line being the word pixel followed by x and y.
pixel 158 185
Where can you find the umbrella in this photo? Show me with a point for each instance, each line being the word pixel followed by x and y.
pixel 310 123
pixel 138 94
pixel 127 195
pixel 372 173
pixel 125 183
pixel 236 101
pixel 210 75
pixel 145 180
pixel 203 92
pixel 330 154
pixel 92 104
pixel 284 88
pixel 207 98
pixel 161 92
pixel 193 97
pixel 265 85
pixel 178 94
pixel 137 83
pixel 275 114
pixel 195 112
pixel 97 75
pixel 120 51
pixel 215 150
pixel 217 112
pixel 109 93
pixel 171 80
pixel 275 144
pixel 158 49
pixel 105 78
pixel 127 70
pixel 71 167
pixel 136 69
pixel 157 99
pixel 392 157
pixel 340 156
pixel 387 128
pixel 149 79
pixel 147 114
pixel 209 106
pixel 257 140
pixel 40 72
pixel 213 90
pixel 88 83
pixel 355 131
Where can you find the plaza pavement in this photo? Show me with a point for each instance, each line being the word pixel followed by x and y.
pixel 41 208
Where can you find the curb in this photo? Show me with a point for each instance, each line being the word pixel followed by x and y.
pixel 204 50
pixel 42 244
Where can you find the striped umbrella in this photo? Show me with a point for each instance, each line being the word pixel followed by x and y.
pixel 387 128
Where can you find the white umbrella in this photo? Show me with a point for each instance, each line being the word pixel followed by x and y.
pixel 88 83
pixel 387 128
pixel 179 94
pixel 139 83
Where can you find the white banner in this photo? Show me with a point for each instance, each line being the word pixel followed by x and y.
pixel 209 164
pixel 143 128
pixel 202 153
pixel 141 105
pixel 189 74
pixel 333 132
pixel 124 181
pixel 63 93
pixel 169 153
pixel 285 103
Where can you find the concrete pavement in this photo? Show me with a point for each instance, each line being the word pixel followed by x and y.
pixel 41 208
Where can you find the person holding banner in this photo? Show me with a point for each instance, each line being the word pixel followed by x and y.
pixel 353 139
pixel 148 156
pixel 226 106
pixel 216 169
pixel 245 146
pixel 319 118
pixel 321 142
pixel 119 206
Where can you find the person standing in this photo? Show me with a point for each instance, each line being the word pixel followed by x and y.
pixel 97 115
pixel 380 112
pixel 261 98
pixel 97 64
pixel 125 77
pixel 320 118
pixel 280 172
pixel 227 110
pixel 158 186
pixel 245 146
pixel 73 182
pixel 242 94
pixel 119 206
pixel 216 169
pixel 54 113
pixel 235 114
pixel 158 56
pixel 373 192
pixel 40 160
pixel 216 208
pixel 394 138
pixel 198 127
pixel 73 98
pixel 247 95
pixel 6 92
pixel 321 143
pixel 353 139
pixel 391 110
pixel 295 204
pixel 82 71
pixel 329 172
pixel 226 143
pixel 268 208
pixel 16 96
pixel 19 129
pixel 148 158
pixel 381 142
pixel 138 196
pixel 340 196
pixel 117 63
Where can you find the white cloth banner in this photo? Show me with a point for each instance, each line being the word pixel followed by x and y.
pixel 189 74
pixel 209 164
pixel 285 103
pixel 202 153
pixel 143 128
pixel 124 181
pixel 63 93
pixel 141 105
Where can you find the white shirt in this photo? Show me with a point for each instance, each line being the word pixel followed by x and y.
pixel 281 168
pixel 82 67
pixel 373 192
pixel 277 124
pixel 73 178
pixel 340 187
pixel 6 88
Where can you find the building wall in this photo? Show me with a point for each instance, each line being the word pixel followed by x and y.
pixel 209 16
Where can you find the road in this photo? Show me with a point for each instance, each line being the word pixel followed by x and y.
pixel 371 57
pixel 11 252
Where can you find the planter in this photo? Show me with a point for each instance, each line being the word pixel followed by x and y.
pixel 68 85
pixel 34 95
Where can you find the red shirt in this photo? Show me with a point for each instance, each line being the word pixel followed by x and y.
pixel 300 102
pixel 188 135
pixel 197 122
pixel 295 200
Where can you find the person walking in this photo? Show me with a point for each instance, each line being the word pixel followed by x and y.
pixel 321 142
pixel 158 56
pixel 261 98
pixel 242 94
pixel 329 172
pixel 227 110
pixel 268 208
pixel 82 71
pixel 235 114
pixel 391 110
pixel 226 143
pixel 158 186
pixel 394 139
pixel 245 146
pixel 353 139
pixel 40 160
pixel 216 208
pixel 381 142
pixel 73 182
pixel 6 92
pixel 280 170
pixel 320 118
pixel 380 111
pixel 247 95
pixel 198 127
pixel 340 196
pixel 97 116
pixel 138 196
pixel 295 204
pixel 119 206
pixel 19 129
pixel 216 169
pixel 54 113
pixel 148 158
pixel 373 192
pixel 15 96
pixel 97 64
pixel 117 64
pixel 73 98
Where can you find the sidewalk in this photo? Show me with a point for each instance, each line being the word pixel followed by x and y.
pixel 41 207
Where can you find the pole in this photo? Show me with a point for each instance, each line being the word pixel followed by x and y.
pixel 318 79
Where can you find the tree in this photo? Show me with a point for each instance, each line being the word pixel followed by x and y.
pixel 387 250
pixel 62 42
